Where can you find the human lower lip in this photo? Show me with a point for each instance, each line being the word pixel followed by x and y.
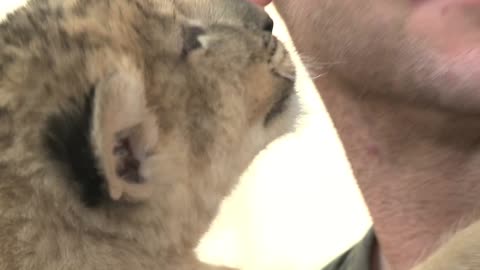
pixel 261 2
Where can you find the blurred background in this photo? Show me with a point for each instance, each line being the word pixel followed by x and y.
pixel 297 207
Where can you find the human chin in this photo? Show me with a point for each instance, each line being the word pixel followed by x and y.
pixel 450 32
pixel 452 26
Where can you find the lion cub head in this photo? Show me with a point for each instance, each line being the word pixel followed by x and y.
pixel 138 105
pixel 124 123
pixel 171 101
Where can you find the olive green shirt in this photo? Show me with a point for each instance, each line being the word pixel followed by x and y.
pixel 356 258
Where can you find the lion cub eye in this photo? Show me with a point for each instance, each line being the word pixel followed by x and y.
pixel 190 38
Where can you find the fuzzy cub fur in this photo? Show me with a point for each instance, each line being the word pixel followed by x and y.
pixel 460 252
pixel 124 123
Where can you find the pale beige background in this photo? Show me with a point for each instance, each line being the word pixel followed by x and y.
pixel 298 206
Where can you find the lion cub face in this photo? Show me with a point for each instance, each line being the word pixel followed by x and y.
pixel 176 94
pixel 214 99
pixel 157 102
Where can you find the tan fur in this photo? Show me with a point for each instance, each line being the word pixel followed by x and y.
pixel 197 119
pixel 460 252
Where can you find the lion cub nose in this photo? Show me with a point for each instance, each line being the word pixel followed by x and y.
pixel 268 24
pixel 255 17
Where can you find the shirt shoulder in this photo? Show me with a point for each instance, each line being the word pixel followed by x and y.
pixel 357 257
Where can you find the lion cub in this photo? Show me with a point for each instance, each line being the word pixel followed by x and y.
pixel 124 123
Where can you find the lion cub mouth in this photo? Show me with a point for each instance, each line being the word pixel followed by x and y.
pixel 282 66
pixel 280 105
pixel 280 60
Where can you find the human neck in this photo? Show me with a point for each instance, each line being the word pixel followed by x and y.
pixel 417 169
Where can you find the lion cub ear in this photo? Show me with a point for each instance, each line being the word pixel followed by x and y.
pixel 124 135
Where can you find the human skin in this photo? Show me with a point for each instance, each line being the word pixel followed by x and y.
pixel 402 85
pixel 262 2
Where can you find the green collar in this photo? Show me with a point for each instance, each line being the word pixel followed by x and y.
pixel 358 257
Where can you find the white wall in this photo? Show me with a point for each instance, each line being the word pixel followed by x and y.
pixel 297 207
